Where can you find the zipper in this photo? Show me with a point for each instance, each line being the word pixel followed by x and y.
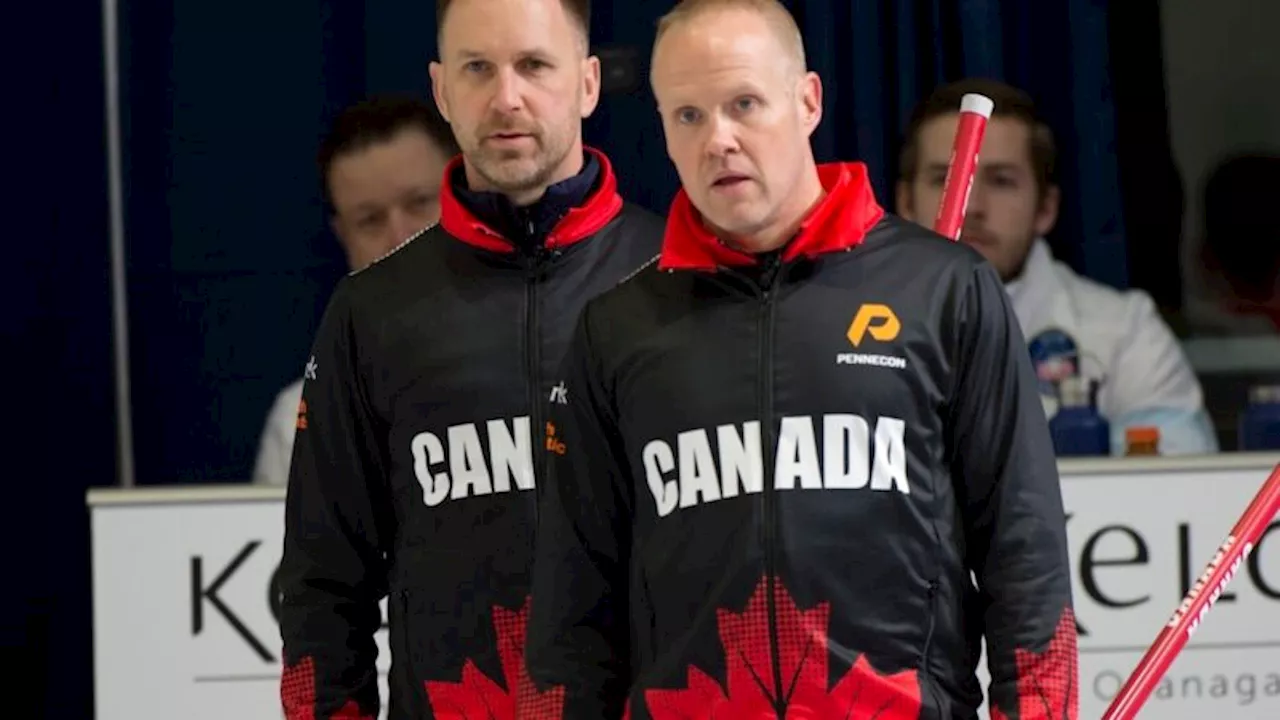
pixel 533 363
pixel 923 673
pixel 768 291
pixel 930 598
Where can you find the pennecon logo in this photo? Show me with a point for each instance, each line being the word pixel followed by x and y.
pixel 878 320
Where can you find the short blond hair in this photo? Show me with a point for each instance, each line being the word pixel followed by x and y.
pixel 774 13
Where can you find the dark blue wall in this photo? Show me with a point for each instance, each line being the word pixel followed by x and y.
pixel 59 432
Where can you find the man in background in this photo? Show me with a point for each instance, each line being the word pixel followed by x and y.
pixel 381 164
pixel 1074 326
pixel 1233 269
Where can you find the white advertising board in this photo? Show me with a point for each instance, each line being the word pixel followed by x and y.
pixel 183 618
pixel 1138 541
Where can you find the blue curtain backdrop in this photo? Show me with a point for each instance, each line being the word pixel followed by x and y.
pixel 231 261
pixel 878 59
pixel 1150 181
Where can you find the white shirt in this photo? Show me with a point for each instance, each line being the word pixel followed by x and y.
pixel 275 450
pixel 1073 324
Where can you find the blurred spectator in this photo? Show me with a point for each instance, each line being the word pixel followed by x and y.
pixel 1234 276
pixel 1074 326
pixel 382 165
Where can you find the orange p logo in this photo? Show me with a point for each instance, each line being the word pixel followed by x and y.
pixel 878 320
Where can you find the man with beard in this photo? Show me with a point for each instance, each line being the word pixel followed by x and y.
pixel 424 401
pixel 1075 327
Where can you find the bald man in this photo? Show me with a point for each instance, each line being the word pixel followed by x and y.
pixel 787 447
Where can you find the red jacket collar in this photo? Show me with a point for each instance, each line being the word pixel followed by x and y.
pixel 839 222
pixel 601 206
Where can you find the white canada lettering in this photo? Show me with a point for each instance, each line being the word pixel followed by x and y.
pixel 698 481
pixel 466 470
pixel 839 471
pixel 740 460
pixel 658 460
pixel 852 458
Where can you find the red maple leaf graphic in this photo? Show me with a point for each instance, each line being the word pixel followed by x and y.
pixel 1048 681
pixel 298 694
pixel 476 697
pixel 862 694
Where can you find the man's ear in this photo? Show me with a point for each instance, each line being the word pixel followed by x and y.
pixel 436 71
pixel 903 201
pixel 339 229
pixel 590 85
pixel 1047 212
pixel 811 101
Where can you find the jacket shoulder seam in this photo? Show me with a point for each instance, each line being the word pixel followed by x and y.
pixel 640 269
pixel 404 243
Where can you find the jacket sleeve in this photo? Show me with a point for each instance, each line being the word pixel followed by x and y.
pixel 1152 383
pixel 1006 476
pixel 578 633
pixel 333 572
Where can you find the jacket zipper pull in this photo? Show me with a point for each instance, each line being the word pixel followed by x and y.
pixel 537 246
pixel 769 274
